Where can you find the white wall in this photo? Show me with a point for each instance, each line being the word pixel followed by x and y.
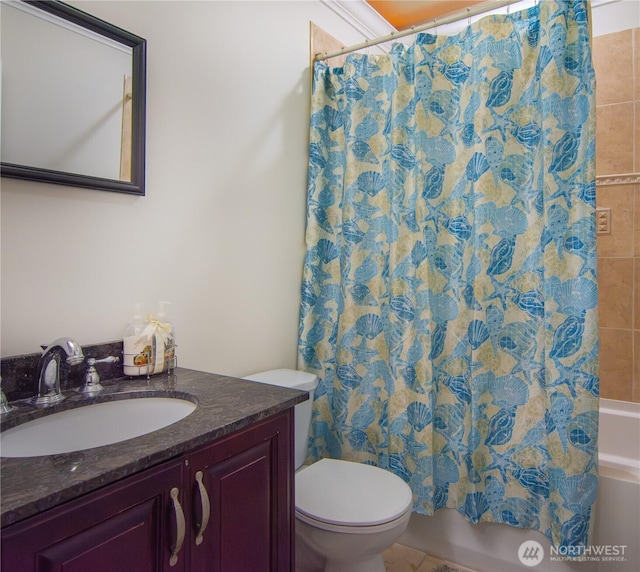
pixel 221 231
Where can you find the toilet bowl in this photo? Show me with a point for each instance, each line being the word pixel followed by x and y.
pixel 347 513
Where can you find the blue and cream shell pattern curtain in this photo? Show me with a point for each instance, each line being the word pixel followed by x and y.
pixel 449 295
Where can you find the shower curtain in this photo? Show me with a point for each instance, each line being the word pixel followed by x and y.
pixel 449 294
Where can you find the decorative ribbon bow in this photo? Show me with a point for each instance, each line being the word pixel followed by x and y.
pixel 161 330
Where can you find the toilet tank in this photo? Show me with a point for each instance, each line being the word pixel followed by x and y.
pixel 302 412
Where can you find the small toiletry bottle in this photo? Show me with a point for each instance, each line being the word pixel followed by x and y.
pixel 136 346
pixel 165 357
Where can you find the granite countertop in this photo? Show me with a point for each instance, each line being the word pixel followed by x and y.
pixel 225 404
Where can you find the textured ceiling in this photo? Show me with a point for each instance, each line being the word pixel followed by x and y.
pixel 403 14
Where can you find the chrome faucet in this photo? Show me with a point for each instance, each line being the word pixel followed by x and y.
pixel 92 383
pixel 47 378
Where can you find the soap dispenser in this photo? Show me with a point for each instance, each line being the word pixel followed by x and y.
pixel 165 360
pixel 136 346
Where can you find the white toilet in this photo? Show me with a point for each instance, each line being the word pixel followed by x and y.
pixel 347 513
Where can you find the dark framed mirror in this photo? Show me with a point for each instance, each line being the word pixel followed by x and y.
pixel 73 98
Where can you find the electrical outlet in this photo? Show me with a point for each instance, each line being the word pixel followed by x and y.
pixel 603 220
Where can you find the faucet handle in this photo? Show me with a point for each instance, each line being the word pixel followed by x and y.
pixel 92 383
pixel 108 359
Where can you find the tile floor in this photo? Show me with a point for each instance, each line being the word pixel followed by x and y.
pixel 401 558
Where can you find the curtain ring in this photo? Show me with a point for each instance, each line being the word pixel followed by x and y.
pixel 468 16
pixel 435 25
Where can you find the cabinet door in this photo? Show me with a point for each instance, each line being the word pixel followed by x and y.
pixel 124 527
pixel 248 479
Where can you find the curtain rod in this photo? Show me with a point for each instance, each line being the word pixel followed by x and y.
pixel 448 19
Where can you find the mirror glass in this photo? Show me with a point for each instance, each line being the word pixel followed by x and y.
pixel 73 98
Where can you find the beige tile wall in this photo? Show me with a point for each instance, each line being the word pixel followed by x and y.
pixel 616 59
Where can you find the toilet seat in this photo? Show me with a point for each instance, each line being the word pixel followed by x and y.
pixel 368 529
pixel 343 496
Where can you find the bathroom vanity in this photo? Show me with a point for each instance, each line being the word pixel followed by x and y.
pixel 213 491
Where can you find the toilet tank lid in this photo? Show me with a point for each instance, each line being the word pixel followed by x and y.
pixel 291 378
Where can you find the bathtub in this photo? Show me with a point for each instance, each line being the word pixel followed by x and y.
pixel 488 547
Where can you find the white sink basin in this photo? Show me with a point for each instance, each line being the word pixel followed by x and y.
pixel 92 426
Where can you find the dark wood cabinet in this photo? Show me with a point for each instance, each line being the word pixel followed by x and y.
pixel 248 479
pixel 124 527
pixel 231 501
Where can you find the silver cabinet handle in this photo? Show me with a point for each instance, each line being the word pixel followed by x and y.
pixel 206 510
pixel 180 527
